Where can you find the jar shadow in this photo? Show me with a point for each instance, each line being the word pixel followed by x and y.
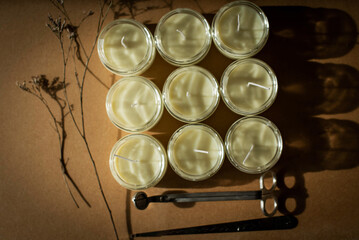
pixel 306 89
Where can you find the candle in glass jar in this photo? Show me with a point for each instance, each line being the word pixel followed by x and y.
pixel 253 144
pixel 240 29
pixel 191 94
pixel 134 104
pixel 195 152
pixel 126 47
pixel 248 86
pixel 138 161
pixel 183 37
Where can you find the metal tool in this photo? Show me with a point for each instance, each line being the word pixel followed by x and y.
pixel 263 224
pixel 141 200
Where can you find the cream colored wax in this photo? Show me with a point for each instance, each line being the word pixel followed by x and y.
pixel 196 152
pixel 248 86
pixel 241 28
pixel 191 94
pixel 253 145
pixel 134 104
pixel 182 35
pixel 138 161
pixel 126 47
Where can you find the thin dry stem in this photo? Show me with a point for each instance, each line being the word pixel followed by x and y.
pixel 81 127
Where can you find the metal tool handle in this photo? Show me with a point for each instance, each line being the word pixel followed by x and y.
pixel 262 184
pixel 267 193
pixel 264 206
pixel 273 223
pixel 211 196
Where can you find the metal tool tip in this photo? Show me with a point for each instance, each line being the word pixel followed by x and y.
pixel 140 200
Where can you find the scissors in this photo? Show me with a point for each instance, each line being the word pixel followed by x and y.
pixel 141 200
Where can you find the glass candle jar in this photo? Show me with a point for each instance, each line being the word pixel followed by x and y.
pixel 183 37
pixel 138 161
pixel 248 86
pixel 253 144
pixel 134 104
pixel 190 94
pixel 126 47
pixel 240 29
pixel 195 152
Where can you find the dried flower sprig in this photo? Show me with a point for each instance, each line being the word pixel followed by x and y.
pixel 72 30
pixel 67 34
pixel 63 26
pixel 57 27
pixel 36 86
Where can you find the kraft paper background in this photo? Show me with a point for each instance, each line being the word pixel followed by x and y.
pixel 313 49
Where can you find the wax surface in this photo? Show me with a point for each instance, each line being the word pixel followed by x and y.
pixel 188 155
pixel 240 28
pixel 253 144
pixel 191 94
pixel 148 166
pixel 182 36
pixel 134 104
pixel 244 96
pixel 125 46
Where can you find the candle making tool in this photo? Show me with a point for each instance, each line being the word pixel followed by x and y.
pixel 262 224
pixel 141 200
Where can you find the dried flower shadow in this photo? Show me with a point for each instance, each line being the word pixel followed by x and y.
pixel 36 86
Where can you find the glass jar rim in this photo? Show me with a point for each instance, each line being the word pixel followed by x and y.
pixel 215 88
pixel 228 51
pixel 276 133
pixel 207 174
pixel 196 58
pixel 225 77
pixel 154 120
pixel 156 179
pixel 142 66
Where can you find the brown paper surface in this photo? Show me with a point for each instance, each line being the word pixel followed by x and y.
pixel 312 48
